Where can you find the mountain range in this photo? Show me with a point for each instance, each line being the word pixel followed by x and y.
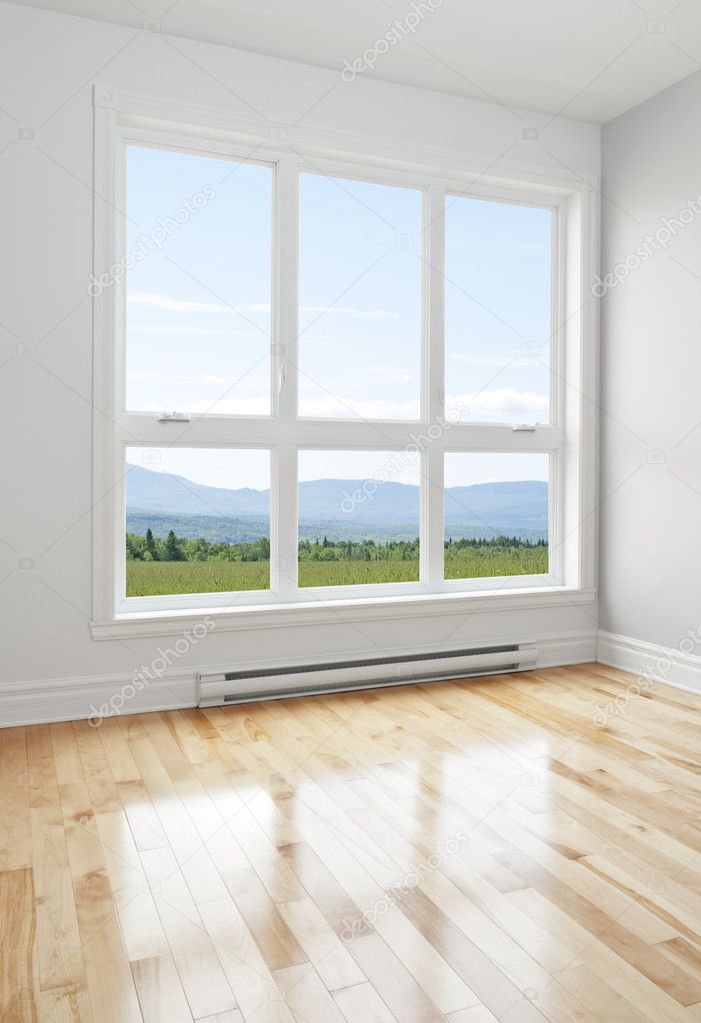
pixel 339 509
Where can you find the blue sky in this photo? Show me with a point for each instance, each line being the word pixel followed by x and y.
pixel 198 309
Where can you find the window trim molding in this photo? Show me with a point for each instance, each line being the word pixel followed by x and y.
pixel 574 350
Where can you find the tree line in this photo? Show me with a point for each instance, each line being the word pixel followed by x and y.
pixel 174 548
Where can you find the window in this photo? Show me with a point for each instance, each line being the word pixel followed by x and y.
pixel 333 380
pixel 197 521
pixel 498 310
pixel 360 299
pixel 198 300
pixel 496 515
pixel 358 518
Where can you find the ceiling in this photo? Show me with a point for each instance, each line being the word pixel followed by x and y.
pixel 587 59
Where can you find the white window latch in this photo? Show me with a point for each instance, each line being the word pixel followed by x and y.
pixel 524 427
pixel 173 417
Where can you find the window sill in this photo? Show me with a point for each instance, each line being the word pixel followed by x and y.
pixel 277 616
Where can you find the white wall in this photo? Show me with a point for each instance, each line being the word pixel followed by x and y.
pixel 47 65
pixel 650 560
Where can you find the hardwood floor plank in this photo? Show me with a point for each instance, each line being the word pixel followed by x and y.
pixel 142 932
pixel 199 968
pixel 306 996
pixel 15 821
pixel 160 992
pixel 59 942
pixel 257 993
pixel 323 948
pixel 276 941
pixel 64 1005
pixel 109 981
pixel 392 981
pixel 18 976
pixel 362 1004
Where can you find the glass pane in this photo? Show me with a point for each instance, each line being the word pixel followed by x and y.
pixel 358 517
pixel 198 521
pixel 360 299
pixel 496 515
pixel 497 314
pixel 198 284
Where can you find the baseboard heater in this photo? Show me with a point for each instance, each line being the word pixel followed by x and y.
pixel 225 687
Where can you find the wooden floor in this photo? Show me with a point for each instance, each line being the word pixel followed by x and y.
pixel 519 848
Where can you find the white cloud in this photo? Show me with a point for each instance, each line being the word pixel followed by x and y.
pixel 332 407
pixel 480 360
pixel 181 328
pixel 256 406
pixel 503 404
pixel 155 300
pixel 353 314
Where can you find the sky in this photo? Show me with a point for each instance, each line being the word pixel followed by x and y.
pixel 198 308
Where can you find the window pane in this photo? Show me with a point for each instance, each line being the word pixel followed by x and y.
pixel 198 521
pixel 198 294
pixel 497 315
pixel 358 517
pixel 360 299
pixel 496 515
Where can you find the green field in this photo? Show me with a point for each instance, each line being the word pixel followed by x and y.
pixel 155 578
pixel 488 562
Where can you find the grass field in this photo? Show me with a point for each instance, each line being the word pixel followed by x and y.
pixel 156 578
pixel 352 573
pixel 487 562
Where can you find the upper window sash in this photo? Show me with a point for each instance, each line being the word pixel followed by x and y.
pixel 286 169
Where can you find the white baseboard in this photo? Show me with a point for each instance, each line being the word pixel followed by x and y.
pixel 72 699
pixel 664 666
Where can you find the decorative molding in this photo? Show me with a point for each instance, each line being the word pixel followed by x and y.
pixel 72 699
pixel 133 110
pixel 333 612
pixel 662 665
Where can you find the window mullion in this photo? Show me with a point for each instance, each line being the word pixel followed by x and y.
pixel 283 522
pixel 283 491
pixel 285 303
pixel 434 387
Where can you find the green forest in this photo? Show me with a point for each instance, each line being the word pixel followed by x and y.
pixel 177 565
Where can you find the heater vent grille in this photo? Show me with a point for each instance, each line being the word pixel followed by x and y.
pixel 235 676
pixel 276 682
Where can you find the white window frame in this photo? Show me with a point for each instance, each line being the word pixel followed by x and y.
pixel 569 439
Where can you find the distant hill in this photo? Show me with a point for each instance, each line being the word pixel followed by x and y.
pixel 330 507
